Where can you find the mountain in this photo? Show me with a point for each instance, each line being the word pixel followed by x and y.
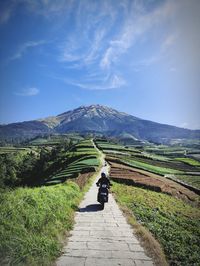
pixel 99 119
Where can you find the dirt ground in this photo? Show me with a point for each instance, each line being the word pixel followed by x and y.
pixel 82 179
pixel 141 178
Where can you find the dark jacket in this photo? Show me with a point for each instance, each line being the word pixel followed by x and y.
pixel 103 180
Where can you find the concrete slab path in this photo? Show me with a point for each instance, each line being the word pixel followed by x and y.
pixel 102 237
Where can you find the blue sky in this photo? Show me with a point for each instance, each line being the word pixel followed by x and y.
pixel 137 56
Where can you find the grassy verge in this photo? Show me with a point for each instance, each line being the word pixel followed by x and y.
pixel 33 221
pixel 175 224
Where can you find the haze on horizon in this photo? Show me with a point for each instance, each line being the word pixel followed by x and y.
pixel 137 56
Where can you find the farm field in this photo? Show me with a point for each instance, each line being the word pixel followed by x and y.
pixel 169 210
pixel 157 159
pixel 140 178
pixel 81 159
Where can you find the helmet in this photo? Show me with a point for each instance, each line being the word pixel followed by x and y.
pixel 103 175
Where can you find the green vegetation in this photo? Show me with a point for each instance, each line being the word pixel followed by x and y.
pixel 151 168
pixel 33 221
pixel 158 159
pixel 28 168
pixel 193 180
pixel 81 158
pixel 11 149
pixel 155 157
pixel 189 161
pixel 49 164
pixel 174 223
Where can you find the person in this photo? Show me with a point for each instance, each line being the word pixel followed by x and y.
pixel 103 180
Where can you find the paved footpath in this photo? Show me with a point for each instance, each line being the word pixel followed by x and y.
pixel 102 237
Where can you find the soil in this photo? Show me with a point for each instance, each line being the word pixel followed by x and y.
pixel 82 179
pixel 136 177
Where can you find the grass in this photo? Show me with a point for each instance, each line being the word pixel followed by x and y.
pixel 33 221
pixel 193 180
pixel 175 224
pixel 189 161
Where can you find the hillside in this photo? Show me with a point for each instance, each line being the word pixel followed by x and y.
pixel 98 119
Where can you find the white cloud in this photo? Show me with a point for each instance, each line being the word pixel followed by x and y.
pixel 28 92
pixel 101 49
pixel 24 47
pixel 136 25
pixel 110 82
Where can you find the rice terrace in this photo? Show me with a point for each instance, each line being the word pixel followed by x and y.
pixel 44 179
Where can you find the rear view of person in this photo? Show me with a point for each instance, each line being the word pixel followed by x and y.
pixel 103 184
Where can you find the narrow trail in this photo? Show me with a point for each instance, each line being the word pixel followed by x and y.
pixel 102 237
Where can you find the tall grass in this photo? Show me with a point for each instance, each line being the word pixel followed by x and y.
pixel 32 221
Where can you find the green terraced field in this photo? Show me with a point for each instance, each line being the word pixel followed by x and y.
pixel 83 159
pixel 151 168
pixel 159 159
pixel 189 161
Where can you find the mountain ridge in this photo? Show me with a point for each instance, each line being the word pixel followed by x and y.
pixel 100 119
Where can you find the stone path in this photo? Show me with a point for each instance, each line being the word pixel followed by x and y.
pixel 102 237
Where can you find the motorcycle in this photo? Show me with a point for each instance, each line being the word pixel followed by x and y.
pixel 102 196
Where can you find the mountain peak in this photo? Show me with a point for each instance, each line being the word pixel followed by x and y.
pixel 101 119
pixel 91 111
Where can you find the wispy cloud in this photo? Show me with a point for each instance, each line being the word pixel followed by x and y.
pixel 24 47
pixel 135 26
pixel 49 9
pixel 99 46
pixel 110 82
pixel 5 14
pixel 28 92
pixel 163 50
